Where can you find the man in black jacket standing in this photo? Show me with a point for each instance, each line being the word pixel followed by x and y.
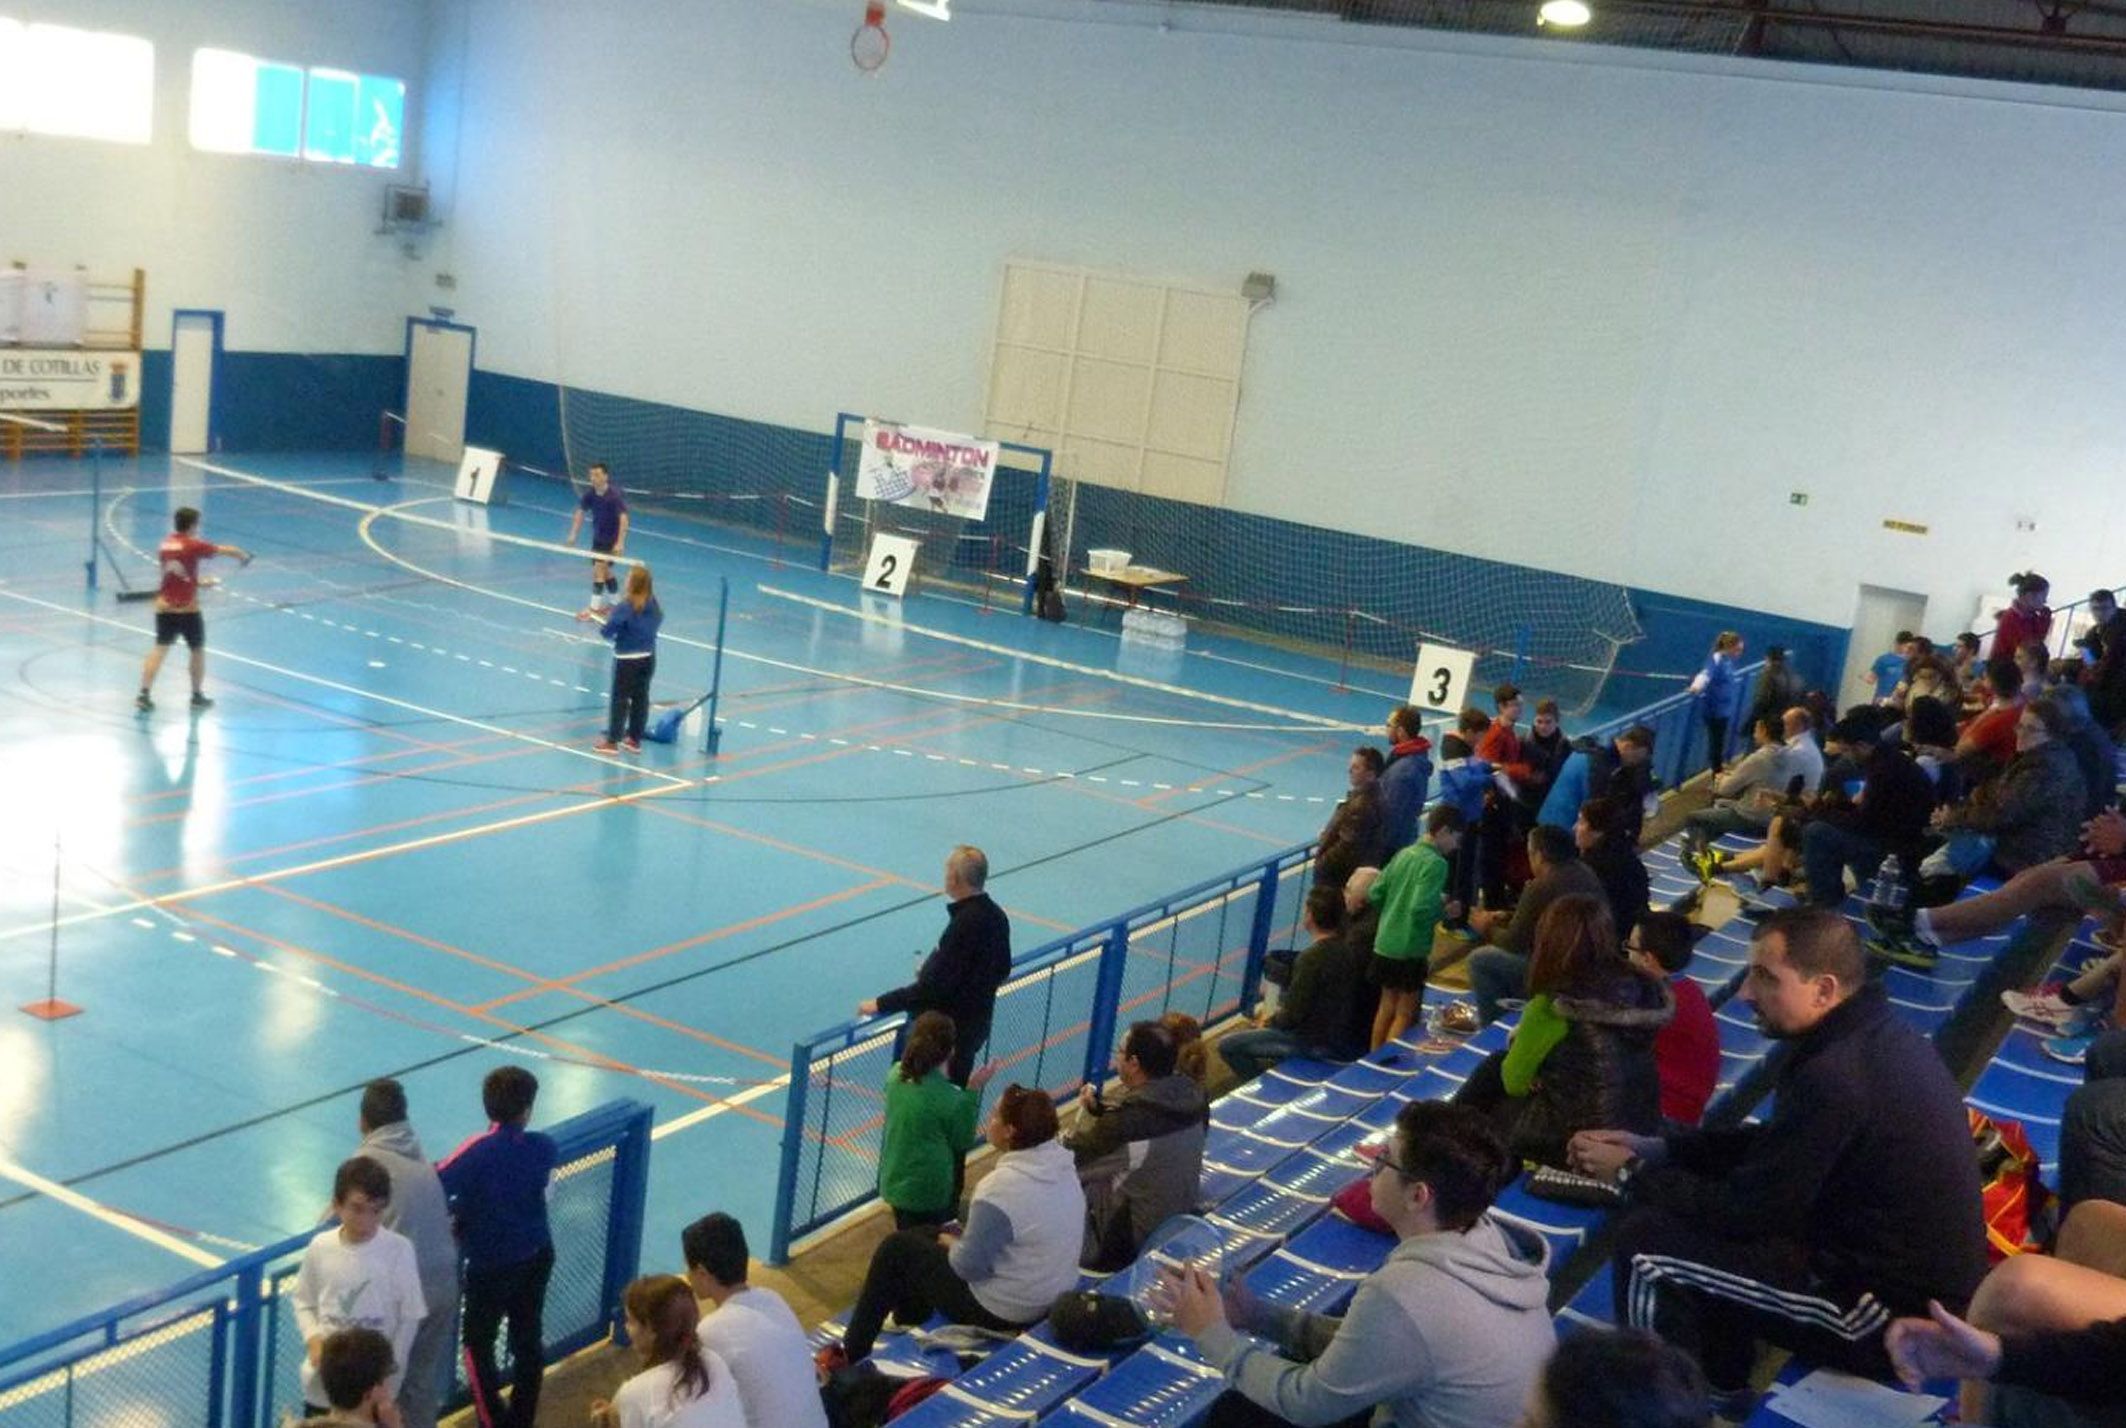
pixel 960 978
pixel 1856 1202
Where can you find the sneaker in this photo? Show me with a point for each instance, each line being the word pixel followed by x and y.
pixel 1893 925
pixel 605 746
pixel 200 701
pixel 1460 932
pixel 142 702
pixel 1705 862
pixel 2043 1006
pixel 1917 956
pixel 2070 1049
pixel 633 746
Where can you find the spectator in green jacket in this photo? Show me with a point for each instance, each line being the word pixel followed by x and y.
pixel 930 1125
pixel 1411 894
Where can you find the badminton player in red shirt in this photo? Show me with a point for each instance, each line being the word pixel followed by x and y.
pixel 177 603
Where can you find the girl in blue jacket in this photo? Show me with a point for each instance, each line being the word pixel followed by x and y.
pixel 1719 688
pixel 632 627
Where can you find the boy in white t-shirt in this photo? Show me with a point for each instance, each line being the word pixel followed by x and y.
pixel 357 1275
pixel 751 1330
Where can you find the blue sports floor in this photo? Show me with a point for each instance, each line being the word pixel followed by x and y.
pixel 389 847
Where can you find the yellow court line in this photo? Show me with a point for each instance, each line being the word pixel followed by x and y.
pixel 74 1199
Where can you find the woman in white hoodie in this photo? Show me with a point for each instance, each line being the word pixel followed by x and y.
pixel 1019 1253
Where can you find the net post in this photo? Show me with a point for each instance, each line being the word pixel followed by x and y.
pixel 1521 639
pixel 782 520
pixel 51 1008
pixel 1343 667
pixel 95 512
pixel 711 735
pixel 1039 534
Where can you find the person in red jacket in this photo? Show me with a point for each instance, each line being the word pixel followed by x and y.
pixel 1687 1050
pixel 177 604
pixel 1504 825
pixel 2027 617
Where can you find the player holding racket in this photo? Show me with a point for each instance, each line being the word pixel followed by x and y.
pixel 609 521
pixel 177 604
pixel 632 627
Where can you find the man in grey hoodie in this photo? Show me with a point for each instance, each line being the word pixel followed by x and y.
pixel 417 1209
pixel 1449 1333
pixel 1140 1152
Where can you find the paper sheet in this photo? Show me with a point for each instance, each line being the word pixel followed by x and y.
pixel 1825 1399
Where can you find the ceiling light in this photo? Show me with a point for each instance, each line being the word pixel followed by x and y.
pixel 934 9
pixel 1565 14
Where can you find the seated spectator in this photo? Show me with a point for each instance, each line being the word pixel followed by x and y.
pixel 1718 688
pixel 1545 750
pixel 2105 679
pixel 1890 817
pixel 1411 897
pixel 1988 741
pixel 2048 1331
pixel 1453 1329
pixel 354 1370
pixel 1405 779
pixel 1620 769
pixel 1963 658
pixel 1466 785
pixel 1315 1016
pixel 681 1384
pixel 1355 834
pixel 1778 687
pixel 2094 752
pixel 1687 1050
pixel 929 1125
pixel 1888 668
pixel 2033 812
pixel 1025 1226
pixel 1930 733
pixel 750 1328
pixel 2093 1125
pixel 2079 886
pixel 1858 1199
pixel 1191 1057
pixel 1139 1146
pixel 1745 796
pixel 1928 676
pixel 2033 662
pixel 1582 1054
pixel 1500 971
pixel 357 1275
pixel 1625 1379
pixel 1616 864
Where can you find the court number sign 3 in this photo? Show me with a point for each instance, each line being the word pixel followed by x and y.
pixel 890 564
pixel 1440 684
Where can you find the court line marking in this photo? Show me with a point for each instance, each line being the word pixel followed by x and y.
pixel 399 511
pixel 117 1219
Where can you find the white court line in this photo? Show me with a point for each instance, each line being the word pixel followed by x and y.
pixel 75 1200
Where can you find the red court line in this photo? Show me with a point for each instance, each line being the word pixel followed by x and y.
pixel 574 1051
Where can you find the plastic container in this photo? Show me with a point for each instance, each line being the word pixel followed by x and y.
pixel 1106 561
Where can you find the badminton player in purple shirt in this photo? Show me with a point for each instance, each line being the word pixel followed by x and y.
pixel 608 512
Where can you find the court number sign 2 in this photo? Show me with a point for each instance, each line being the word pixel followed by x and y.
pixel 1440 684
pixel 889 565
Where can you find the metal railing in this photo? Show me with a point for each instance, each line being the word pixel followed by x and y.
pixel 1058 1016
pixel 221 1347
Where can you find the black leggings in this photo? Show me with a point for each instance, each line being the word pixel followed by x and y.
pixel 516 1292
pixel 1715 743
pixel 911 1278
pixel 631 697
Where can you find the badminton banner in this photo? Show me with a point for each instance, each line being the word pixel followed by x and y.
pixel 929 470
pixel 36 379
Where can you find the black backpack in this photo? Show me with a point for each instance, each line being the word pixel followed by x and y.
pixel 1085 1322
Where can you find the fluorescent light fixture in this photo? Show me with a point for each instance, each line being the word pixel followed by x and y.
pixel 1565 14
pixel 933 9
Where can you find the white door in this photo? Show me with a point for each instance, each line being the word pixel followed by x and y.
pixel 1878 618
pixel 437 376
pixel 191 382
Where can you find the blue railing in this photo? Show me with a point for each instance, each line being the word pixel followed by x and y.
pixel 1060 1013
pixel 220 1347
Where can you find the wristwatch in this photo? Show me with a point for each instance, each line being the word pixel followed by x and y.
pixel 1628 1170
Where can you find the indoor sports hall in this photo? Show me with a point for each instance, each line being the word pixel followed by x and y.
pixel 1065 427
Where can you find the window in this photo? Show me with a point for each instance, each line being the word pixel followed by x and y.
pixel 81 84
pixel 242 105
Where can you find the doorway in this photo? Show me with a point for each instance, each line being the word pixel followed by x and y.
pixel 1878 617
pixel 438 376
pixel 195 353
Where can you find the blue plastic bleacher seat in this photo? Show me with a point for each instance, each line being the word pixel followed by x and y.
pixel 1155 1387
pixel 1290 1282
pixel 1261 1208
pixel 1026 1377
pixel 1335 1243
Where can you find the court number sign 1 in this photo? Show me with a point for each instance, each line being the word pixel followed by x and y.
pixel 889 566
pixel 1441 683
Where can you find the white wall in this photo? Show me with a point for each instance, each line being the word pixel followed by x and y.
pixel 286 248
pixel 1587 310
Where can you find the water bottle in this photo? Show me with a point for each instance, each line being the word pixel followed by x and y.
pixel 1889 892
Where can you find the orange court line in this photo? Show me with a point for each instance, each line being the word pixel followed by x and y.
pixel 573 1050
pixel 699 939
pixel 511 750
pixel 301 770
pixel 541 984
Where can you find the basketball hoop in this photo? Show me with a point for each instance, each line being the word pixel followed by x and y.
pixel 870 45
